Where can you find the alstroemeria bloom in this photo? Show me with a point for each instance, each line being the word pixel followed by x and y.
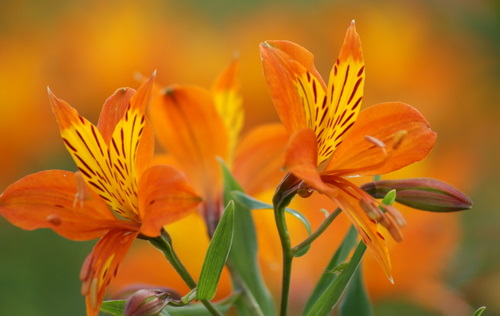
pixel 196 125
pixel 115 196
pixel 330 142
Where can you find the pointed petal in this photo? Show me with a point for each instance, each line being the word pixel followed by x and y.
pixel 345 93
pixel 295 86
pixel 229 104
pixel 367 228
pixel 301 158
pixel 112 112
pixel 385 138
pixel 101 266
pixel 140 100
pixel 90 152
pixel 189 127
pixel 259 158
pixel 165 197
pixel 123 157
pixel 51 199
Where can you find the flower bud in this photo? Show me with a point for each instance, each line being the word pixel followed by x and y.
pixel 146 302
pixel 425 194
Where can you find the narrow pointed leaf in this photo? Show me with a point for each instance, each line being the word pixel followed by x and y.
pixel 329 298
pixel 356 300
pixel 479 311
pixel 243 256
pixel 114 308
pixel 328 276
pixel 254 204
pixel 217 253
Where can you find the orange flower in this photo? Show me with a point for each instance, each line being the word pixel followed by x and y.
pixel 115 195
pixel 329 142
pixel 196 126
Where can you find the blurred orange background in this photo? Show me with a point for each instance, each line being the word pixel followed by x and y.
pixel 440 56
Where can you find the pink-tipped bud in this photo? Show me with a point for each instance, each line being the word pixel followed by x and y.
pixel 425 194
pixel 146 302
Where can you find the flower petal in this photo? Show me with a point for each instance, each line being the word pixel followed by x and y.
pixel 164 197
pixel 54 199
pixel 344 95
pixel 101 266
pixel 90 153
pixel 367 228
pixel 189 127
pixel 301 158
pixel 259 158
pixel 112 112
pixel 295 85
pixel 385 138
pixel 229 104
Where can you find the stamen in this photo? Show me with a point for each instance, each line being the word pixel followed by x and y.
pixel 373 212
pixel 398 138
pixel 375 141
pixel 93 292
pixel 400 220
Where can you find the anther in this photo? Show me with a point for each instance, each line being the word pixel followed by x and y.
pixel 398 138
pixel 375 141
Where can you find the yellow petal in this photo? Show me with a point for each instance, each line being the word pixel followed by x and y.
pixel 229 105
pixel 101 266
pixel 344 96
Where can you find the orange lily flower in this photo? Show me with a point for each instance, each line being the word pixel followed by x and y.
pixel 196 126
pixel 115 196
pixel 330 142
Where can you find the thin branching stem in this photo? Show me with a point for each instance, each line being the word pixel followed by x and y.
pixel 164 244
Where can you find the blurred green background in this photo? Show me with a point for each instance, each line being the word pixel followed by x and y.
pixel 442 57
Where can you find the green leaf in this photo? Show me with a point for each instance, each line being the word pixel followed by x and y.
pixel 479 311
pixel 114 308
pixel 217 253
pixel 330 275
pixel 356 300
pixel 332 293
pixel 255 298
pixel 198 309
pixel 255 204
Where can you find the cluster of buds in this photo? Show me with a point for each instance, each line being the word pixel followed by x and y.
pixel 425 194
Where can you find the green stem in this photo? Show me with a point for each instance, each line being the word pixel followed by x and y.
pixel 317 232
pixel 282 197
pixel 279 215
pixel 164 244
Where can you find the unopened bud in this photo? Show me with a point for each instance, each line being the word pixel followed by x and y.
pixel 425 194
pixel 146 302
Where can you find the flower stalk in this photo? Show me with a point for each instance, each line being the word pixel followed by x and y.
pixel 164 244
